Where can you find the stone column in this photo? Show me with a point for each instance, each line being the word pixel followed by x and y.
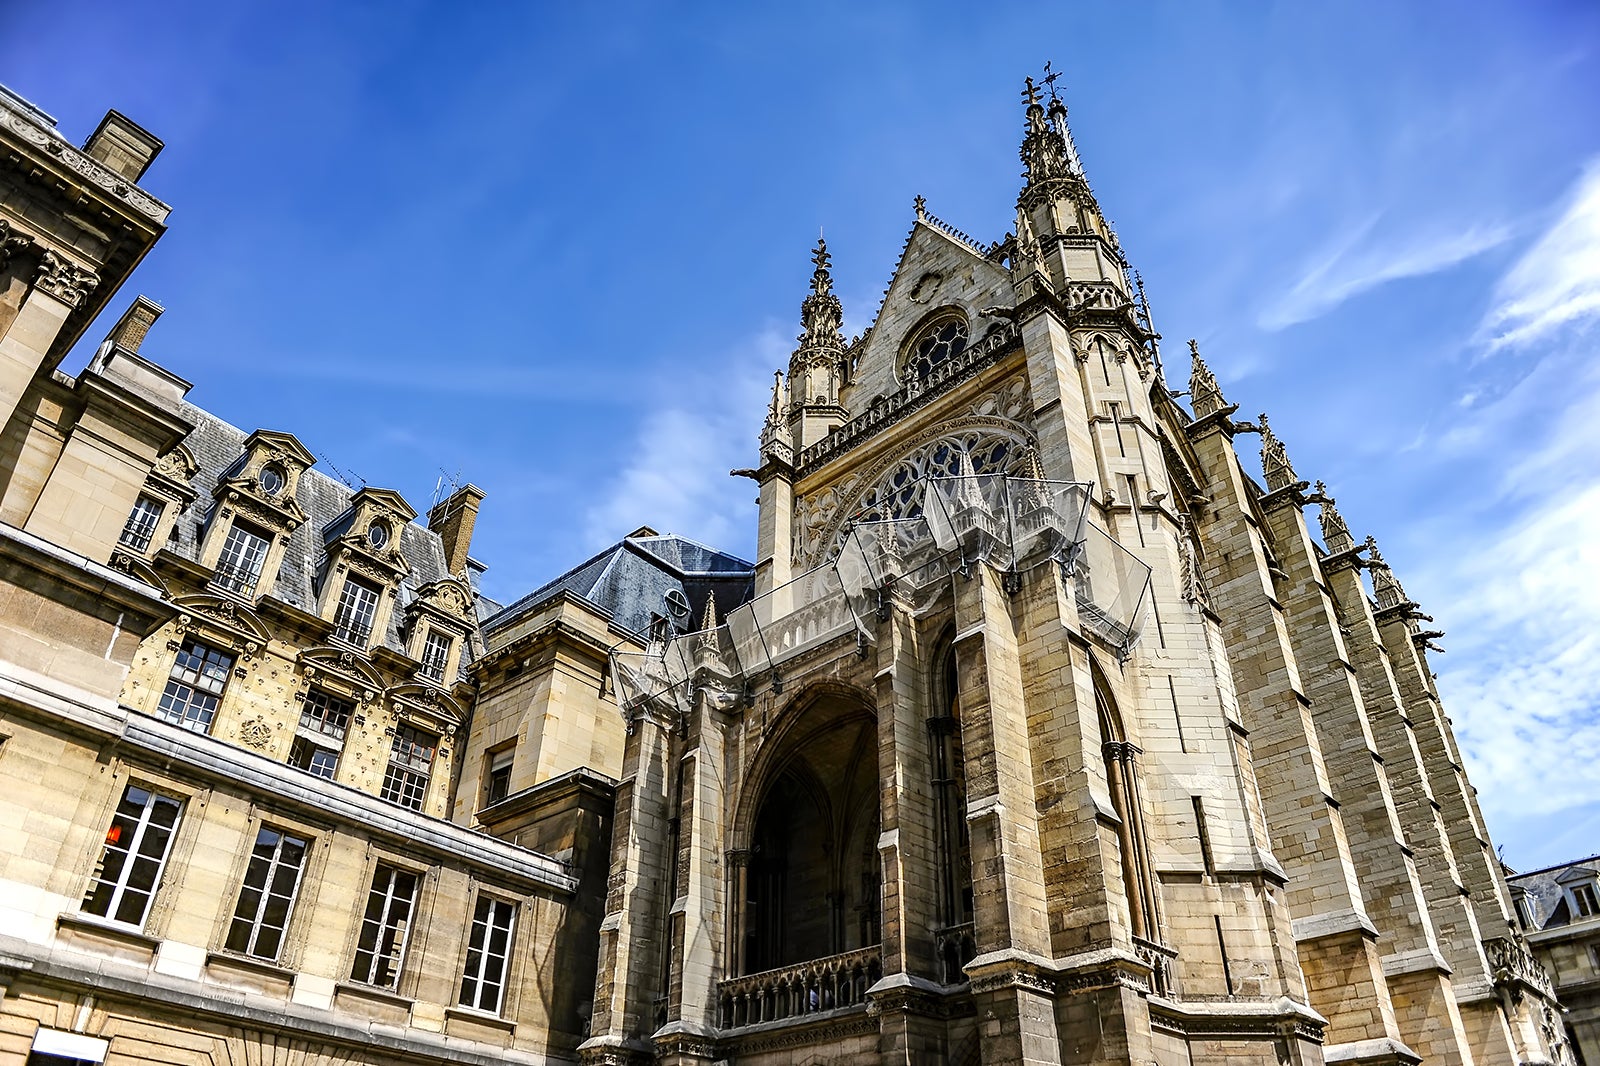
pixel 59 286
pixel 1011 981
pixel 632 934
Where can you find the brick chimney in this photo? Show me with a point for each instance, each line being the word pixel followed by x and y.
pixel 130 330
pixel 453 519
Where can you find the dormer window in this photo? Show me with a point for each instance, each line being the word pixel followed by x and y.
pixel 358 605
pixel 1584 900
pixel 937 343
pixel 141 524
pixel 243 553
pixel 435 655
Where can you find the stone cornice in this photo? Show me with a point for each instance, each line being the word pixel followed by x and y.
pixel 71 160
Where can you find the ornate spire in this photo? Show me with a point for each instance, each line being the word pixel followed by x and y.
pixel 821 314
pixel 1205 396
pixel 708 621
pixel 1385 586
pixel 1335 534
pixel 1275 465
pixel 1047 151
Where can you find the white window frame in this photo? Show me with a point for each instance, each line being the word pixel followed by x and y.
pixel 385 928
pixel 243 555
pixel 436 648
pixel 200 685
pixel 140 528
pixel 255 922
pixel 137 826
pixel 350 610
pixel 1584 891
pixel 475 980
pixel 404 768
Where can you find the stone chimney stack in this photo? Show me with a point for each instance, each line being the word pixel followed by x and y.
pixel 123 145
pixel 453 519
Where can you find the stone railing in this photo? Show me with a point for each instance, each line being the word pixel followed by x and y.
pixel 886 410
pixel 955 946
pixel 1159 959
pixel 1513 965
pixel 804 988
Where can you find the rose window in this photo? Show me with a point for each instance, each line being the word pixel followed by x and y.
pixel 938 343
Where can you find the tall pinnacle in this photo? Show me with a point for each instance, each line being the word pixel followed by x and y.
pixel 1275 465
pixel 821 314
pixel 1205 395
pixel 1335 534
pixel 1047 149
pixel 1385 586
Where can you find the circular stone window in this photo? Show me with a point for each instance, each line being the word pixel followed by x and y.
pixel 378 534
pixel 938 343
pixel 271 479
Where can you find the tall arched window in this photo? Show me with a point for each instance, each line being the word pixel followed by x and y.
pixel 1122 780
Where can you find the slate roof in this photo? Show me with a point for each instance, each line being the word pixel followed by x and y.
pixel 1547 904
pixel 631 579
pixel 218 446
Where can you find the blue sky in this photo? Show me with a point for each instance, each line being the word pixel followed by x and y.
pixel 559 249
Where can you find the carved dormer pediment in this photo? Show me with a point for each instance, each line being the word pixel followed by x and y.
pixel 449 599
pixel 368 534
pixel 175 470
pixel 354 669
pixel 227 615
pixel 433 705
pixel 1575 875
pixel 262 484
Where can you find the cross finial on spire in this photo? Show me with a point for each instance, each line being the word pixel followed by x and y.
pixel 1335 534
pixel 921 206
pixel 1205 395
pixel 1275 465
pixel 1030 94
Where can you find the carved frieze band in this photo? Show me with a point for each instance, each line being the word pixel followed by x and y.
pixel 80 164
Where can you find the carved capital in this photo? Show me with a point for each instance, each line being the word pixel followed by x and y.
pixel 64 280
pixel 11 242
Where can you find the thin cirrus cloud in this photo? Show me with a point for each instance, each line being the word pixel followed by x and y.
pixel 1557 281
pixel 1354 265
pixel 1517 589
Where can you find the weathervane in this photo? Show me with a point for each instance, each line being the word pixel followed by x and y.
pixel 1050 77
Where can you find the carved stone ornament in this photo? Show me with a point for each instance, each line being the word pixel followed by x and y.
pixel 82 165
pixel 1194 588
pixel 177 464
pixel 10 243
pixel 256 733
pixel 64 280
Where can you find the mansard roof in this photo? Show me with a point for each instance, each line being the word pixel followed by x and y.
pixel 1544 889
pixel 630 580
pixel 218 447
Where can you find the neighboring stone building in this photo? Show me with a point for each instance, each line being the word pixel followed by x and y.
pixel 1039 731
pixel 1559 909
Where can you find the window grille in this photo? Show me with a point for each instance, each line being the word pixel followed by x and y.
pixel 381 946
pixel 410 763
pixel 939 343
pixel 484 979
pixel 267 898
pixel 141 525
pixel 195 686
pixel 239 565
pixel 435 655
pixel 136 849
pixel 352 620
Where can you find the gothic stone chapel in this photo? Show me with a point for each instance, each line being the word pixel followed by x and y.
pixel 1040 731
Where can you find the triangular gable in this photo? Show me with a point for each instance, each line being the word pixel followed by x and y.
pixel 1575 875
pixel 936 271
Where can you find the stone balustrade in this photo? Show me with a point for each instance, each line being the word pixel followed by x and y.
pixel 1514 967
pixel 800 989
pixel 955 946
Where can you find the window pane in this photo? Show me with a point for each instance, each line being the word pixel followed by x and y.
pixel 141 524
pixel 135 849
pixel 358 604
pixel 239 565
pixel 266 899
pixel 195 686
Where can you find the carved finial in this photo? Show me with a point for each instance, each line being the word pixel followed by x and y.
pixel 1275 465
pixel 708 621
pixel 1385 586
pixel 1030 94
pixel 1046 148
pixel 921 206
pixel 968 494
pixel 821 314
pixel 1335 534
pixel 1205 396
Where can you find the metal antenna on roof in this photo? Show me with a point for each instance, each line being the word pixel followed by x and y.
pixel 349 478
pixel 445 479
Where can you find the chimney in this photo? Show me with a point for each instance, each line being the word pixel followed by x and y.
pixel 123 145
pixel 130 330
pixel 453 519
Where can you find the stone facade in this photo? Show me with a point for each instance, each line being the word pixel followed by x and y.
pixel 1039 731
pixel 1559 910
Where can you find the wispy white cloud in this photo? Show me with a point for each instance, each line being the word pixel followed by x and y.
pixel 704 425
pixel 1354 264
pixel 1557 281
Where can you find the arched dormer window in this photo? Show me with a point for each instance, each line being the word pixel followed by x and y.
pixel 934 344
